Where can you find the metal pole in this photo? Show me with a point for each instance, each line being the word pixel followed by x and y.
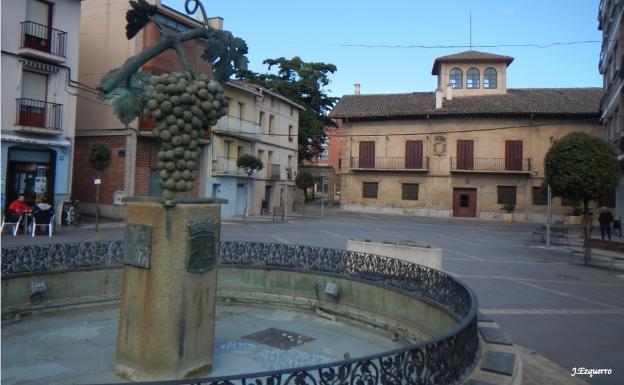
pixel 286 207
pixel 322 193
pixel 549 219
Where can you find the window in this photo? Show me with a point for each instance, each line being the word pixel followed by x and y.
pixel 261 120
pixel 271 122
pixel 472 78
pixel 290 133
pixel 506 195
pixel 489 78
pixel 456 79
pixel 413 154
pixel 339 164
pixel 410 191
pixel 513 155
pixel 241 110
pixel 540 196
pixel 464 200
pixel 32 105
pixel 367 154
pixel 292 110
pixel 465 154
pixel 369 189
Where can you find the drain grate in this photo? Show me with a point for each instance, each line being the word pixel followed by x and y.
pixel 278 338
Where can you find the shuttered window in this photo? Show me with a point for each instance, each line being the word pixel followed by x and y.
pixel 513 155
pixel 540 196
pixel 506 195
pixel 465 154
pixel 410 191
pixel 369 189
pixel 413 154
pixel 367 154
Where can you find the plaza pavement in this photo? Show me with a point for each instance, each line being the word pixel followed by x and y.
pixel 563 313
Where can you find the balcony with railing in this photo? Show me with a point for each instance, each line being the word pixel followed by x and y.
pixel 273 171
pixel 390 164
pixel 240 128
pixel 39 116
pixel 492 165
pixel 226 166
pixel 43 42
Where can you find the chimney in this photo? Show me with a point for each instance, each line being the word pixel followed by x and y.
pixel 449 92
pixel 214 22
pixel 357 88
pixel 438 99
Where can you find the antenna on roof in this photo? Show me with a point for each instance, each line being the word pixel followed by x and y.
pixel 470 18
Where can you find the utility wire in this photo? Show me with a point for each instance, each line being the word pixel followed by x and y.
pixel 533 45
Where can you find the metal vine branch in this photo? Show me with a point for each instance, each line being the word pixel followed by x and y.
pixel 180 106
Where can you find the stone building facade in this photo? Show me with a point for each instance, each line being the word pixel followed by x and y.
pixel 39 58
pixel 465 150
pixel 611 66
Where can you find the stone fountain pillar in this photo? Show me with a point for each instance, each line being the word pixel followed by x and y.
pixel 168 293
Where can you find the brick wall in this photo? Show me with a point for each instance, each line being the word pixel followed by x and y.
pixel 83 188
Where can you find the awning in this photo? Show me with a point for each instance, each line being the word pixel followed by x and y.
pixel 61 142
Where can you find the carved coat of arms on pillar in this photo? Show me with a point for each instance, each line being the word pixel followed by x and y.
pixel 439 145
pixel 202 246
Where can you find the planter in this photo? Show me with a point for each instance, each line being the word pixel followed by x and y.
pixel 507 217
pixel 575 219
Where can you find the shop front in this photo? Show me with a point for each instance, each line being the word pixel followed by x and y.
pixel 38 169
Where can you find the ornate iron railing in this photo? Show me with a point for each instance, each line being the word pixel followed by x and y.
pixel 43 38
pixel 60 257
pixel 391 163
pixel 38 113
pixel 445 359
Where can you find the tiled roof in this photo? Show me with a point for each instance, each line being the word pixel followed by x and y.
pixel 527 101
pixel 469 56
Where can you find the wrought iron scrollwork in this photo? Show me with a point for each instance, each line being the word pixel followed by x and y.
pixel 444 360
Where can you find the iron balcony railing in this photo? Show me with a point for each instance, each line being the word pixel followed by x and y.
pixel 43 38
pixel 491 164
pixel 239 127
pixel 273 172
pixel 37 113
pixel 226 166
pixel 391 163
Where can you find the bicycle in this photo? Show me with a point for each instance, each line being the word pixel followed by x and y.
pixel 73 215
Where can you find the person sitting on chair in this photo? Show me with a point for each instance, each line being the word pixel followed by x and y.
pixel 41 205
pixel 19 205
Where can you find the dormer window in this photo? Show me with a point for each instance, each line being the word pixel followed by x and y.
pixel 473 78
pixel 489 78
pixel 456 78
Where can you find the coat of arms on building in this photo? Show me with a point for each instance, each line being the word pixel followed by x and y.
pixel 202 246
pixel 439 145
pixel 138 245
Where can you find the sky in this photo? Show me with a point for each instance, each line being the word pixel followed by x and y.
pixel 322 30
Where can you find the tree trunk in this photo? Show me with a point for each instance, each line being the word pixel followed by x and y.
pixel 97 204
pixel 246 199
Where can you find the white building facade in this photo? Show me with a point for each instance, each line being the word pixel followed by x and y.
pixel 39 58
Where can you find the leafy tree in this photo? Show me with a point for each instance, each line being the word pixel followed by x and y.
pixel 304 181
pixel 99 159
pixel 99 156
pixel 581 167
pixel 303 83
pixel 249 164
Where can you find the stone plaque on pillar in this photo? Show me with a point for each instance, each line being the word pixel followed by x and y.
pixel 202 246
pixel 138 245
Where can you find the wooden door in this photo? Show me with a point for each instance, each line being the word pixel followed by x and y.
pixel 367 154
pixel 465 154
pixel 464 202
pixel 513 155
pixel 413 154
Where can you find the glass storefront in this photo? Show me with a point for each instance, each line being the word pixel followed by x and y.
pixel 30 171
